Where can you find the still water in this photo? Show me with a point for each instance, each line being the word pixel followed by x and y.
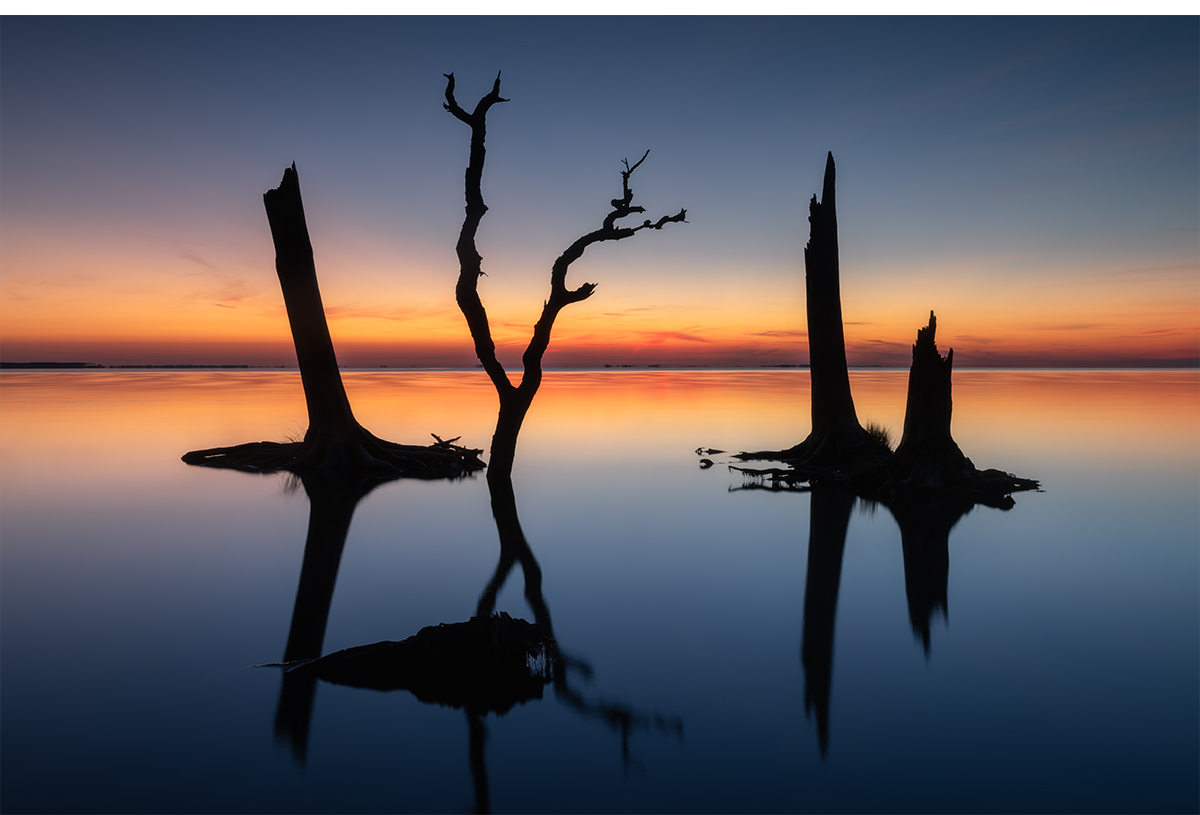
pixel 1050 663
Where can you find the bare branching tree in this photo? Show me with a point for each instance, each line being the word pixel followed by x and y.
pixel 516 399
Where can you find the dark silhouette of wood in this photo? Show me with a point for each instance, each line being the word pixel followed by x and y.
pixel 329 413
pixel 828 520
pixel 514 549
pixel 927 462
pixel 488 664
pixel 836 434
pixel 333 497
pixel 476 742
pixel 925 539
pixel 334 439
pixel 516 399
pixel 925 527
pixel 836 439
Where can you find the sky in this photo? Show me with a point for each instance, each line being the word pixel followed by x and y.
pixel 1035 181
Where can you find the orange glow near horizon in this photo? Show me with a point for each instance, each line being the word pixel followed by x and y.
pixel 134 312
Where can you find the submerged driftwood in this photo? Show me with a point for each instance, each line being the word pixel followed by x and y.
pixel 927 464
pixel 334 439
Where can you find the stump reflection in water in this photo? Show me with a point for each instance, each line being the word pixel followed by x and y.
pixel 924 538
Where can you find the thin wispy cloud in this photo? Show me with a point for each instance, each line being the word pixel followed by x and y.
pixel 384 311
pixel 779 333
pixel 222 288
pixel 625 311
pixel 655 337
pixel 1071 326
pixel 972 338
pixel 195 258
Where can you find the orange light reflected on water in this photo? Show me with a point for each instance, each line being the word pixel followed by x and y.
pixel 1001 418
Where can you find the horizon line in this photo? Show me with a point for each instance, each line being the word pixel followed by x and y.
pixel 1186 364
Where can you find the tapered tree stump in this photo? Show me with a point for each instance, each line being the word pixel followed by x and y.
pixel 928 463
pixel 334 439
pixel 837 440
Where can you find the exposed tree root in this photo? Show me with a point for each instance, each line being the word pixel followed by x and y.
pixel 335 441
pixel 927 464
pixel 358 451
pixel 927 482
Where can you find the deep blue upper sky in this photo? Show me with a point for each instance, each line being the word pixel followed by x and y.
pixel 977 157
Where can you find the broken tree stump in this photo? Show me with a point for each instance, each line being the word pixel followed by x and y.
pixel 334 439
pixel 927 462
pixel 836 440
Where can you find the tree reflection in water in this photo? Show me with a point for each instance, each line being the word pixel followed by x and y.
pixel 828 520
pixel 925 540
pixel 332 498
pixel 485 665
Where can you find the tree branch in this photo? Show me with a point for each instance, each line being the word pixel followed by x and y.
pixel 470 262
pixel 515 400
pixel 560 295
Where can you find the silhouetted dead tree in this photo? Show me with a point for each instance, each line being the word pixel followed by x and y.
pixel 334 439
pixel 516 399
pixel 927 464
pixel 837 439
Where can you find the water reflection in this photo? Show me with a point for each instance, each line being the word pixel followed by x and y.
pixel 332 498
pixel 924 538
pixel 828 520
pixel 515 549
pixel 488 664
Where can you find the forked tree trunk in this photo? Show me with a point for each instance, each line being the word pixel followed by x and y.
pixel 514 549
pixel 516 399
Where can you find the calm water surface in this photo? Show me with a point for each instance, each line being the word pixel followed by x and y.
pixel 1048 659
